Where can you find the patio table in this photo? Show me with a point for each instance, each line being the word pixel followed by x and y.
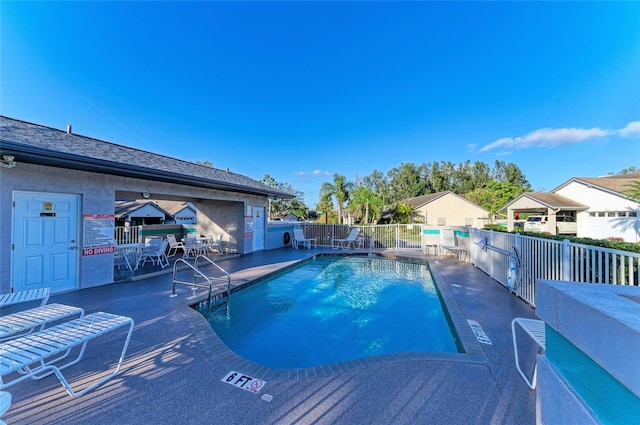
pixel 131 248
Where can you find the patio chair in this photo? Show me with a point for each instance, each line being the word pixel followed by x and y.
pixel 193 248
pixel 300 238
pixel 174 245
pixel 120 258
pixel 215 244
pixel 350 240
pixel 25 296
pixel 155 255
pixel 27 321
pixel 449 243
pixel 535 329
pixel 39 354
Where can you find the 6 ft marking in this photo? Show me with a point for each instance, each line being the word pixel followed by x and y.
pixel 243 381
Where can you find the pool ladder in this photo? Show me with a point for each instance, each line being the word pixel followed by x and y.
pixel 201 280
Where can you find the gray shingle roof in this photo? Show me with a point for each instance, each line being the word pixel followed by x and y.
pixel 38 144
pixel 618 183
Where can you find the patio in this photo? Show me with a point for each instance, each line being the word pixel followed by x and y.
pixel 175 364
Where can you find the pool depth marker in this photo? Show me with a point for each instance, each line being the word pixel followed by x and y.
pixel 244 382
pixel 479 332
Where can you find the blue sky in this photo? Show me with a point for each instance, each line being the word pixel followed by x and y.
pixel 303 90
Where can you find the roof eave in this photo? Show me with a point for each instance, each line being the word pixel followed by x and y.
pixel 76 162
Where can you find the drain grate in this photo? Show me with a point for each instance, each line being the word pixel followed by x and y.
pixel 479 332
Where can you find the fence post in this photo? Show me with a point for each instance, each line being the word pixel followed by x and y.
pixel 566 260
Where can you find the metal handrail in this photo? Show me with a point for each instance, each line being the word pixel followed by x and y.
pixel 193 284
pixel 210 261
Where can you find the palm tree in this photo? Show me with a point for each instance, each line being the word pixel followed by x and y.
pixel 367 199
pixel 403 212
pixel 340 189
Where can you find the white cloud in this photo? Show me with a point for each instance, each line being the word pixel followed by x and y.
pixel 320 173
pixel 632 129
pixel 547 137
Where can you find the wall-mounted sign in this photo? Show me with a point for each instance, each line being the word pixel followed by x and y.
pixel 98 234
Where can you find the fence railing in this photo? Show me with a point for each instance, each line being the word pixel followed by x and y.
pixel 392 236
pixel 517 262
pixel 127 234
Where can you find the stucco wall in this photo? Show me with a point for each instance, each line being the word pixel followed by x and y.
pixel 455 210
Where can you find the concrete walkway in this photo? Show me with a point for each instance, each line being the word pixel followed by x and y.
pixel 175 365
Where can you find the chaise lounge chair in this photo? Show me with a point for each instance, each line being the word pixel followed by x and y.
pixel 346 242
pixel 448 242
pixel 37 355
pixel 299 237
pixel 26 321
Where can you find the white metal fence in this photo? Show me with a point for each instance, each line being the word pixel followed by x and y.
pixel 518 261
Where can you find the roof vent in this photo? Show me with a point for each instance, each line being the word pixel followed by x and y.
pixel 228 170
pixel 68 128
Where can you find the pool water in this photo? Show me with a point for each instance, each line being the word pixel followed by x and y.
pixel 334 309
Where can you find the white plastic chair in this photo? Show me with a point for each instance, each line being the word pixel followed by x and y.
pixel 155 254
pixel 215 244
pixel 300 238
pixel 174 245
pixel 448 242
pixel 350 240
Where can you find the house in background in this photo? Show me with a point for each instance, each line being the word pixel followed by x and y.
pixel 600 205
pixel 448 209
pixel 141 213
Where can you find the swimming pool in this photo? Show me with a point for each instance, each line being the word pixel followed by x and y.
pixel 334 309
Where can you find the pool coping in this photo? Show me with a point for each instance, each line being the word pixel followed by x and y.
pixel 473 353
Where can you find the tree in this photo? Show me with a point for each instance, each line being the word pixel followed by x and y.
pixel 633 192
pixel 280 207
pixel 363 198
pixel 340 189
pixel 403 213
pixel 206 163
pixel 326 207
pixel 406 181
pixel 378 183
pixel 495 195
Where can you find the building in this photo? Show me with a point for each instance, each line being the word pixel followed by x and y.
pixel 58 193
pixel 600 205
pixel 448 209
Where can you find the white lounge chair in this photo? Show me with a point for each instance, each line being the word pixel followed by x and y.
pixel 300 238
pixel 27 321
pixel 535 329
pixel 37 355
pixel 448 242
pixel 25 296
pixel 346 242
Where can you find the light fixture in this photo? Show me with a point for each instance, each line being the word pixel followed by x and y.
pixel 8 161
pixel 145 195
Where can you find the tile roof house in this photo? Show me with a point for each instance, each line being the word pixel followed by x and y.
pixel 600 205
pixel 448 209
pixel 57 201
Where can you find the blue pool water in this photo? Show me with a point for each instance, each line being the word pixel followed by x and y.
pixel 336 309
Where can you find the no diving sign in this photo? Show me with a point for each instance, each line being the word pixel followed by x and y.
pixel 245 382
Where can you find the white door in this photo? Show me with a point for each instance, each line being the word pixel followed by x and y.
pixel 45 241
pixel 258 228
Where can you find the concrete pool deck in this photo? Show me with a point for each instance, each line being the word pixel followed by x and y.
pixel 175 365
